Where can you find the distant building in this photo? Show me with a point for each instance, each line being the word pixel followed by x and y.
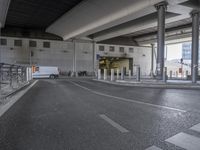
pixel 186 51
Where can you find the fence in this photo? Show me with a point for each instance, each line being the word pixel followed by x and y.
pixel 13 76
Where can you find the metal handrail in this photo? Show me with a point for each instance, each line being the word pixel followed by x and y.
pixel 10 73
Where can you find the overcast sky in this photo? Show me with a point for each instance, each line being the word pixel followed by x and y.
pixel 174 51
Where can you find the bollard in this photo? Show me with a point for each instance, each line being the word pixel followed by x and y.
pixel 11 75
pixel 122 73
pixel 138 74
pixel 176 73
pixel 112 75
pixel 170 75
pixel 186 73
pixel 117 74
pixel 105 74
pixel 17 73
pixel 165 74
pixel 129 73
pixel 99 74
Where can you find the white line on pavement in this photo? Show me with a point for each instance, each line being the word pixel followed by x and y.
pixel 196 128
pixel 114 124
pixel 129 100
pixel 185 141
pixel 15 98
pixel 153 148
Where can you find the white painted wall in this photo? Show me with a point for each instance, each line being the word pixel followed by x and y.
pixel 61 53
pixel 141 56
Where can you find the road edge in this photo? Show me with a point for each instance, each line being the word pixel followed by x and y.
pixel 15 96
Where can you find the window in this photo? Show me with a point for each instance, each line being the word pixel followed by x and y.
pixel 46 44
pixel 121 49
pixel 32 44
pixel 18 43
pixel 101 48
pixel 37 68
pixel 3 42
pixel 131 50
pixel 112 49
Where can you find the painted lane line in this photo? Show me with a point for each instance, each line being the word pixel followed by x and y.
pixel 196 127
pixel 185 141
pixel 15 98
pixel 153 148
pixel 129 100
pixel 114 124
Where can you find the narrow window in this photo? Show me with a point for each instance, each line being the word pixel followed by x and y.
pixel 32 44
pixel 3 42
pixel 121 49
pixel 46 44
pixel 18 43
pixel 101 48
pixel 112 49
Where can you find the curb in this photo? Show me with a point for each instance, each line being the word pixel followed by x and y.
pixel 154 85
pixel 4 108
pixel 16 91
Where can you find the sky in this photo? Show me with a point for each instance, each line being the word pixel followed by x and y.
pixel 174 51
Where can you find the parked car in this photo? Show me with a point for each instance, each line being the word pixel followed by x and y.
pixel 45 72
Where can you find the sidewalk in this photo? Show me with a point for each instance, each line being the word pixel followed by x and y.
pixel 6 89
pixel 171 84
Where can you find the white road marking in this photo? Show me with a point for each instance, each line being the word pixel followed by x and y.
pixel 114 124
pixel 153 148
pixel 196 128
pixel 129 100
pixel 185 141
pixel 15 98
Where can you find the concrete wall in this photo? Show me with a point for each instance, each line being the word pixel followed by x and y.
pixel 141 56
pixel 61 54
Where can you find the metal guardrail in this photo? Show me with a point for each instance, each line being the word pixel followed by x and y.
pixel 10 73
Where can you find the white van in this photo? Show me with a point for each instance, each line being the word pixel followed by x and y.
pixel 45 72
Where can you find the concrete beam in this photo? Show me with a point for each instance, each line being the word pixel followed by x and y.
pixel 134 27
pixel 95 15
pixel 4 5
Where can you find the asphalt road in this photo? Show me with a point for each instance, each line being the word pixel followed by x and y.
pixel 81 114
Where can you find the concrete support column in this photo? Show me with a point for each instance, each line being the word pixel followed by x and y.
pixel 161 9
pixel 93 57
pixel 99 74
pixel 195 45
pixel 105 74
pixel 117 74
pixel 0 44
pixel 74 58
pixel 152 59
pixel 1 74
pixel 112 75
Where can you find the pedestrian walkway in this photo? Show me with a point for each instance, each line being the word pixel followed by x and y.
pixel 183 140
pixel 174 84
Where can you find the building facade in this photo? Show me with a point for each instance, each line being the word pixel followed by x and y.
pixel 72 56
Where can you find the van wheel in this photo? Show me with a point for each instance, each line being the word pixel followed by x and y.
pixel 52 77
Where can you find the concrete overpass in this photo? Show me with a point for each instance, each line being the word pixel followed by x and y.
pixel 84 114
pixel 137 22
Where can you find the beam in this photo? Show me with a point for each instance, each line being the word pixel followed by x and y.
pixel 4 5
pixel 92 16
